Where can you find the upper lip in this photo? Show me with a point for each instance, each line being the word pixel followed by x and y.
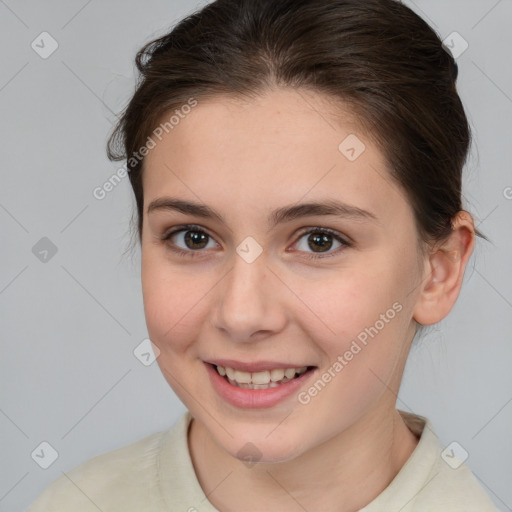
pixel 253 366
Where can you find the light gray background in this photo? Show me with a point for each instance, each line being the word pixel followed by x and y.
pixel 69 326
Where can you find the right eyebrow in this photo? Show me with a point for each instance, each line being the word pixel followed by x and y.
pixel 186 207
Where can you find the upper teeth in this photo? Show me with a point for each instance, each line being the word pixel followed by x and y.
pixel 260 377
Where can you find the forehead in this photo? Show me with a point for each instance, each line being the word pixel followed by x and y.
pixel 267 151
pixel 293 120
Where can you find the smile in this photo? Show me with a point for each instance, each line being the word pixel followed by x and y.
pixel 257 384
pixel 260 380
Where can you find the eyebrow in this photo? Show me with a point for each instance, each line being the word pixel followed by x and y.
pixel 278 216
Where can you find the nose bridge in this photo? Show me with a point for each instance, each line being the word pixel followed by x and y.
pixel 247 302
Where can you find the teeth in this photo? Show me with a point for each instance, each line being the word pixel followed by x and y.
pixel 276 375
pixel 289 373
pixel 255 386
pixel 261 377
pixel 242 377
pixel 260 380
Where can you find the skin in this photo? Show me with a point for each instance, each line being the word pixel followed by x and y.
pixel 245 159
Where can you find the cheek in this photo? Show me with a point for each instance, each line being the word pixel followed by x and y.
pixel 362 357
pixel 364 325
pixel 170 302
pixel 350 300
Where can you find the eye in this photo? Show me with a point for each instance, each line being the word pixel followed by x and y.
pixel 320 241
pixel 192 238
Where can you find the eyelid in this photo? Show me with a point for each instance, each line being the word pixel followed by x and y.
pixel 313 229
pixel 184 227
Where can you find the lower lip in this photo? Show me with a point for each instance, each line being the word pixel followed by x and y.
pixel 254 398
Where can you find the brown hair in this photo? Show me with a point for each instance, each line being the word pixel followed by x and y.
pixel 376 56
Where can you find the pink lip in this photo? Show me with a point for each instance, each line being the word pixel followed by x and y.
pixel 254 398
pixel 259 366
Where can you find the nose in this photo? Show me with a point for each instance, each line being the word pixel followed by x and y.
pixel 248 304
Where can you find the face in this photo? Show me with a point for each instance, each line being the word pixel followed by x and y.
pixel 251 280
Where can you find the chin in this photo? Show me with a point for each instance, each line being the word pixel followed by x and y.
pixel 256 445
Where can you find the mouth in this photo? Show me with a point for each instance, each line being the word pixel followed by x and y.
pixel 264 379
pixel 257 385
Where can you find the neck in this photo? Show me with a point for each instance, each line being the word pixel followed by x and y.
pixel 344 473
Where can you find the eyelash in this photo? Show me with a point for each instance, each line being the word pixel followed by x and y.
pixel 311 256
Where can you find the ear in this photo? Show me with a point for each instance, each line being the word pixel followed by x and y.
pixel 444 271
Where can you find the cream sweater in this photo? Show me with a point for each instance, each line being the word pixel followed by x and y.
pixel 156 474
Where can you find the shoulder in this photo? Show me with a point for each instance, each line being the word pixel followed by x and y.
pixel 453 486
pixel 446 482
pixel 433 478
pixel 122 479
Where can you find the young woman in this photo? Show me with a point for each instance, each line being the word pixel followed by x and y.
pixel 296 166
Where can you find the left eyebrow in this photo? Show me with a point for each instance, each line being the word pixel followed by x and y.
pixel 278 216
pixel 329 207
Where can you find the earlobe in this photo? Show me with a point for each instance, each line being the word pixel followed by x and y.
pixel 445 271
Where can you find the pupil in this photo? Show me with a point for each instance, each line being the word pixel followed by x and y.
pixel 322 240
pixel 196 237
